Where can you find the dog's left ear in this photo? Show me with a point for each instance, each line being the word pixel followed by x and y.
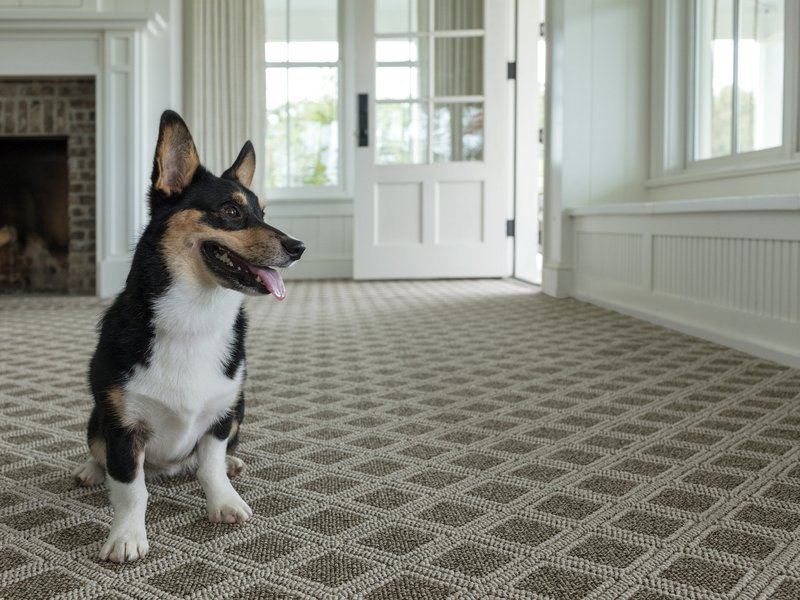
pixel 244 167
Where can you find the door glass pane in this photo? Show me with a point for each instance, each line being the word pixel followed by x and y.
pixel 313 126
pixel 457 132
pixel 458 66
pixel 402 72
pixel 401 133
pixel 714 79
pixel 760 101
pixel 451 15
pixel 401 16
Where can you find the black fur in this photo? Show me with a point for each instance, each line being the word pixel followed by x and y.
pixel 121 448
pixel 237 350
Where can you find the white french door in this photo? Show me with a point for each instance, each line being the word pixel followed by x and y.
pixel 432 159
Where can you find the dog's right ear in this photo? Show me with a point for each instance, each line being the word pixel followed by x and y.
pixel 176 159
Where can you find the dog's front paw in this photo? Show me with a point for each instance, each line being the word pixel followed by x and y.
pixel 231 509
pixel 234 466
pixel 89 473
pixel 125 545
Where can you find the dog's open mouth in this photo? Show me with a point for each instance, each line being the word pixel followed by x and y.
pixel 242 274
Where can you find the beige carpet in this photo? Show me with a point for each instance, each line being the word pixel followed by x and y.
pixel 427 440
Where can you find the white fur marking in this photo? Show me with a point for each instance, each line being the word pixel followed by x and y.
pixel 223 502
pixel 127 539
pixel 89 473
pixel 184 390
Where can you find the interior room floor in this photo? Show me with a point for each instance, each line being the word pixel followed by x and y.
pixel 472 439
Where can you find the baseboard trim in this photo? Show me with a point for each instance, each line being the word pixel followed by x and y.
pixel 728 329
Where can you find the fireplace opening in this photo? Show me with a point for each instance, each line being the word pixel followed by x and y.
pixel 34 224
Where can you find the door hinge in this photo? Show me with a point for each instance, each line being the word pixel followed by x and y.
pixel 541 135
pixel 511 70
pixel 510 227
pixel 542 29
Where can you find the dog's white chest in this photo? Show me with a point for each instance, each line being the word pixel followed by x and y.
pixel 184 390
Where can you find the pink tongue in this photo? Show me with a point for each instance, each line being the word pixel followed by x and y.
pixel 273 281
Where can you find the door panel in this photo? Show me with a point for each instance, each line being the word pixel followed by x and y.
pixel 432 183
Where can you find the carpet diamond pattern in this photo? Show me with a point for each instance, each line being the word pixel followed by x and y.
pixel 466 439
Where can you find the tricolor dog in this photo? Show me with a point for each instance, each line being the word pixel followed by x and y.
pixel 168 372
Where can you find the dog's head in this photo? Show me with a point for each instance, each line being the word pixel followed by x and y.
pixel 214 230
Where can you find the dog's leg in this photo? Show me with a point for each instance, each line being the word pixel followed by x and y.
pixel 235 465
pixel 126 489
pixel 223 502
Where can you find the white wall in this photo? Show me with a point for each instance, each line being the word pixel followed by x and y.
pixel 718 258
pixel 606 77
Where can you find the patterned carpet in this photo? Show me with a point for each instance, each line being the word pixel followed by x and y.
pixel 466 439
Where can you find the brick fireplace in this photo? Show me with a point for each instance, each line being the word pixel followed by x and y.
pixel 119 65
pixel 59 107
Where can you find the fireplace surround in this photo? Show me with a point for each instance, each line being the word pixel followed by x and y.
pixel 126 57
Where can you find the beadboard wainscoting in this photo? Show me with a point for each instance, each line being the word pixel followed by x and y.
pixel 725 269
pixel 326 228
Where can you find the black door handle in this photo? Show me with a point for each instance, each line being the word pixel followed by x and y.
pixel 363 120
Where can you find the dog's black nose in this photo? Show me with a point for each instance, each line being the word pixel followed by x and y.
pixel 294 248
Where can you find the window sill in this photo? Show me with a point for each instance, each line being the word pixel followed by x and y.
pixel 722 172
pixel 772 203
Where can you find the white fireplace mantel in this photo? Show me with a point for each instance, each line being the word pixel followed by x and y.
pixel 125 53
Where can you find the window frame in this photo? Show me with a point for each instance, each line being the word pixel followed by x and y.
pixel 346 89
pixel 672 103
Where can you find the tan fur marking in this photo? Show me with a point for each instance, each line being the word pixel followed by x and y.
pixel 239 198
pixel 234 429
pixel 177 159
pixel 116 402
pixel 97 448
pixel 186 231
pixel 261 204
pixel 246 170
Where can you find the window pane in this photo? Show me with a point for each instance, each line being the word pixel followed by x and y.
pixel 401 133
pixel 401 16
pixel 452 15
pixel 714 79
pixel 458 69
pixel 457 132
pixel 313 126
pixel 402 71
pixel 277 160
pixel 760 108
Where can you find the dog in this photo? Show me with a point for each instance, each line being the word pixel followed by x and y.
pixel 168 372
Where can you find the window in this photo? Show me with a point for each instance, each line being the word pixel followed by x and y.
pixel 303 74
pixel 725 91
pixel 738 76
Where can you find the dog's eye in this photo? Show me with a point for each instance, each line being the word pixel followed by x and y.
pixel 231 211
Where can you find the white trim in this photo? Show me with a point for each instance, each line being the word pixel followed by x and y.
pixel 783 202
pixel 694 320
pixel 725 171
